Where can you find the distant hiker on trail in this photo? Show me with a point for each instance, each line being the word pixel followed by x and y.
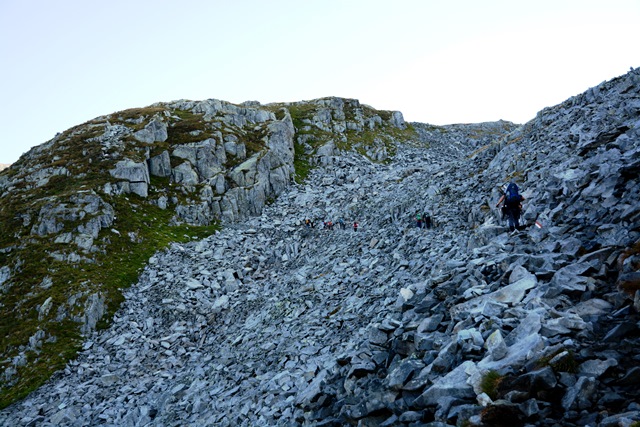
pixel 512 205
pixel 341 223
pixel 355 226
pixel 423 220
pixel 427 220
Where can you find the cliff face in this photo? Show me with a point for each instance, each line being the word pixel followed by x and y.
pixel 83 212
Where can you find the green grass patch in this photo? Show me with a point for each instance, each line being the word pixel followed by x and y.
pixel 190 128
pixel 253 139
pixel 490 383
pixel 299 112
pixel 385 136
pixel 52 357
pixel 560 361
pixel 301 164
pixel 134 114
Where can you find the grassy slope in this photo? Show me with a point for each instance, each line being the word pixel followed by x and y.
pixel 124 249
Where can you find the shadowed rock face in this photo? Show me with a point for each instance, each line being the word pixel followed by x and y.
pixel 270 322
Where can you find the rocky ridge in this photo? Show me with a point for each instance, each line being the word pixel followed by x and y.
pixel 270 323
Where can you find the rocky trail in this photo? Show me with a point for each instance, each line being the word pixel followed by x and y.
pixel 270 323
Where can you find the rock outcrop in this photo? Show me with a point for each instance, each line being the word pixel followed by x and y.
pixel 86 209
pixel 270 322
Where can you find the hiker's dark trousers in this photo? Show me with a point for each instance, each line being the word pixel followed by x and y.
pixel 513 216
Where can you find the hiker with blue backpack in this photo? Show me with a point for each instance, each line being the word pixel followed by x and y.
pixel 512 205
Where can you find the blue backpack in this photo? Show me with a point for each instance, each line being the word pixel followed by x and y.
pixel 511 195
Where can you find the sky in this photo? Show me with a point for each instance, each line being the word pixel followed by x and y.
pixel 65 62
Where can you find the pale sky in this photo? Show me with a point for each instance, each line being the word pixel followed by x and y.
pixel 64 62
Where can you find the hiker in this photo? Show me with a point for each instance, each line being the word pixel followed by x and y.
pixel 427 220
pixel 341 223
pixel 355 226
pixel 512 205
pixel 307 223
pixel 419 220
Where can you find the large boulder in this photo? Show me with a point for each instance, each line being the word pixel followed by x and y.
pixel 136 174
pixel 160 165
pixel 154 131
